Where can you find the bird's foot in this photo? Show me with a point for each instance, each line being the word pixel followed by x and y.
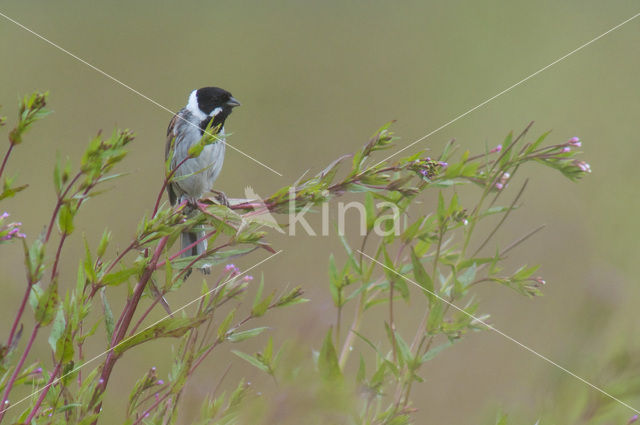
pixel 221 197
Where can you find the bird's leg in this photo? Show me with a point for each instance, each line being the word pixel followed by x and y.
pixel 221 197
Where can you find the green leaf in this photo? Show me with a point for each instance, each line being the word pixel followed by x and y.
pixel 267 353
pixel 225 325
pixel 8 191
pixel 351 256
pixel 370 210
pixel 422 277
pixel 104 242
pixel 537 143
pixel 362 373
pixel 335 282
pixel 116 278
pixel 495 210
pixel 258 297
pixel 435 351
pixel 328 359
pixel 65 219
pixel 405 351
pixel 65 350
pixel 80 279
pixel 378 377
pixel 436 312
pixel 454 205
pixel 195 150
pixel 411 231
pixel 109 322
pixel 252 360
pixel 213 259
pixel 441 211
pixel 524 272
pixel 394 277
pixel 261 307
pixel 292 297
pixel 241 336
pixel 34 257
pixel 57 329
pixel 468 276
pixel 47 304
pixel 172 327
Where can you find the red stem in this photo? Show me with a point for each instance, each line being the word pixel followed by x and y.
pixel 153 406
pixel 6 157
pixel 59 204
pixel 198 258
pixel 122 254
pixel 125 321
pixel 145 314
pixel 17 370
pixel 187 248
pixel 23 304
pixel 43 393
pixel 54 270
pixel 165 184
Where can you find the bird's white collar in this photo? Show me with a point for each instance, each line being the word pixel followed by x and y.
pixel 192 106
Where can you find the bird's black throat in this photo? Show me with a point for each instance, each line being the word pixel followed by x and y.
pixel 218 120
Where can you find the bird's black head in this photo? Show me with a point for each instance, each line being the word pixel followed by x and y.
pixel 210 103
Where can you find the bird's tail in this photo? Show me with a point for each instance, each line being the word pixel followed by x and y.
pixel 190 237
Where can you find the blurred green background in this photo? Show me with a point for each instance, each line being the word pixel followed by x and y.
pixel 315 80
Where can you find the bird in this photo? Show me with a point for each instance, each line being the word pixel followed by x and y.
pixel 207 107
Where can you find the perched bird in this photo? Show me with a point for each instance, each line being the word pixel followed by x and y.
pixel 186 129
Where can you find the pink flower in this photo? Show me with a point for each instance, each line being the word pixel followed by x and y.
pixel 496 149
pixel 583 166
pixel 566 149
pixel 574 141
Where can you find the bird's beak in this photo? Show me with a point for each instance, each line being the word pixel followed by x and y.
pixel 233 102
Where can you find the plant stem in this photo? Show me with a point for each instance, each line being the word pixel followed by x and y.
pixel 392 325
pixel 16 321
pixel 17 370
pixel 43 393
pixel 187 248
pixel 200 257
pixel 144 315
pixel 150 409
pixel 165 184
pixel 423 323
pixel 121 256
pixel 124 322
pixel 355 325
pixel 6 157
pixel 59 204
pixel 339 317
pixel 54 269
pixel 502 219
